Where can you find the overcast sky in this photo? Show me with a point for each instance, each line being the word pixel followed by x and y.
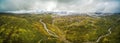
pixel 61 5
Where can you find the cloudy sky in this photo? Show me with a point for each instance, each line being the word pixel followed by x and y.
pixel 61 5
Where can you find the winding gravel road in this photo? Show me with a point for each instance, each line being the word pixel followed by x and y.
pixel 48 31
pixel 109 30
pixel 51 33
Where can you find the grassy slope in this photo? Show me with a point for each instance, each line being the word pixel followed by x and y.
pixel 86 29
pixel 76 28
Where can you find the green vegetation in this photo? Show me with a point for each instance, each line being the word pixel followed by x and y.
pixel 27 28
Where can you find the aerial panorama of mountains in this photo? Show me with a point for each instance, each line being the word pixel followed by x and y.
pixel 56 28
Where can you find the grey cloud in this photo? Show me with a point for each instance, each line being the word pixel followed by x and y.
pixel 69 5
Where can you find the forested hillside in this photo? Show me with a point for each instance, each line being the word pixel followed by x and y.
pixel 51 28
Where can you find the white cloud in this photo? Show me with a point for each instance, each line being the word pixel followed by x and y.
pixel 65 5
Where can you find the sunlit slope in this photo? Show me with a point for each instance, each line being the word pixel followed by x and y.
pixel 50 28
pixel 86 28
pixel 18 30
pixel 28 29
